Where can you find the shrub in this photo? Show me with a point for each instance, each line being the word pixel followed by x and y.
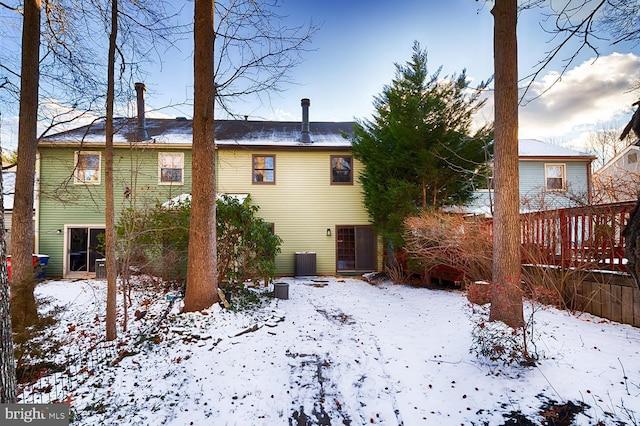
pixel 155 241
pixel 247 246
pixel 463 243
pixel 497 343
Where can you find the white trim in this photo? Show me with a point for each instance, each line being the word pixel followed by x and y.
pixel 563 167
pixel 76 178
pixel 66 273
pixel 179 155
pixel 36 206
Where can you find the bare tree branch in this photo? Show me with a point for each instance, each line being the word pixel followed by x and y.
pixel 254 54
pixel 6 6
pixel 567 29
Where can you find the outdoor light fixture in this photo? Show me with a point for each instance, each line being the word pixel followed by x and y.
pixel 328 232
pixel 59 231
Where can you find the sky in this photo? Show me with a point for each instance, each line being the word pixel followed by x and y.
pixel 340 350
pixel 354 53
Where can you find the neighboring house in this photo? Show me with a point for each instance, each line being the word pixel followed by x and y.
pixel 8 190
pixel 302 176
pixel 8 194
pixel 550 177
pixel 619 179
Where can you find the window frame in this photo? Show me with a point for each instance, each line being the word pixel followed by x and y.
pixel 77 170
pixel 331 181
pixel 630 156
pixel 563 168
pixel 253 169
pixel 173 154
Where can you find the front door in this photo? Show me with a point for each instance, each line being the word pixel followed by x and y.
pixel 355 248
pixel 83 248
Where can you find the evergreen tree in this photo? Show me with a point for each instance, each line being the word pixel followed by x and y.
pixel 419 151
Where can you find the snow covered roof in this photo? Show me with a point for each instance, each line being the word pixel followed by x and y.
pixel 536 148
pixel 178 131
pixel 176 201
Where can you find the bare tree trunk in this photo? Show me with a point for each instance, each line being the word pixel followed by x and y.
pixel 7 358
pixel 202 286
pixel 506 293
pixel 110 255
pixel 23 304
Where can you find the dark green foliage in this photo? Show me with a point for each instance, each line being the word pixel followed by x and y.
pixel 419 150
pixel 247 248
pixel 241 298
pixel 156 240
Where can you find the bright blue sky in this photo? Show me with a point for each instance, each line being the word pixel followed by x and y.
pixel 359 42
pixel 356 48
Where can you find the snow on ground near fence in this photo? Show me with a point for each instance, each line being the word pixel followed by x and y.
pixel 338 351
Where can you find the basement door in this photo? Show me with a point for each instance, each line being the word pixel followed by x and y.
pixel 82 249
pixel 355 248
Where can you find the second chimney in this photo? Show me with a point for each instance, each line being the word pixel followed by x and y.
pixel 305 137
pixel 141 131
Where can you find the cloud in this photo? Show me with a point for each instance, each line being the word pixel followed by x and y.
pixel 581 100
pixel 281 115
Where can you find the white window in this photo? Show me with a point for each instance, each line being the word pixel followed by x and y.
pixel 554 177
pixel 171 168
pixel 87 168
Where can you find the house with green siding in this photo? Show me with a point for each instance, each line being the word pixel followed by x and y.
pixel 301 175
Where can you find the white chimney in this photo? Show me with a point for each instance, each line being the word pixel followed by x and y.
pixel 141 131
pixel 305 137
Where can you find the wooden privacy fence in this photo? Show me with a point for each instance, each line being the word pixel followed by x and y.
pixel 587 237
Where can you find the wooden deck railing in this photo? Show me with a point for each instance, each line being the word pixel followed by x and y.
pixel 587 237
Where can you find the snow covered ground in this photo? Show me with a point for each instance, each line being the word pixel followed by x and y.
pixel 338 351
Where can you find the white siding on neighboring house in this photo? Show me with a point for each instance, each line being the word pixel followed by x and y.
pixel 536 195
pixel 8 190
pixel 534 159
pixel 619 179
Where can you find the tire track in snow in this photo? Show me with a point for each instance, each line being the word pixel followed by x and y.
pixel 327 391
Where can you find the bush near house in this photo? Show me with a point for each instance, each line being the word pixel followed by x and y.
pixel 439 241
pixel 155 241
pixel 464 244
pixel 247 246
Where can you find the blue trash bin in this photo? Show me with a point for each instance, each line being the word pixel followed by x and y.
pixel 40 268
